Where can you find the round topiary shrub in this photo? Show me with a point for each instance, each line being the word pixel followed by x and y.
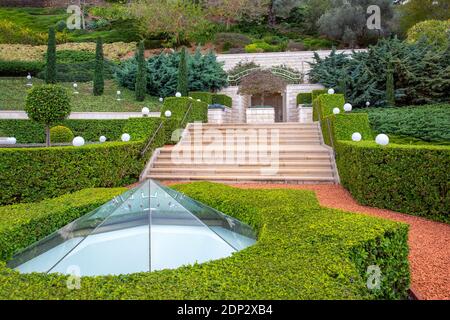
pixel 47 105
pixel 61 134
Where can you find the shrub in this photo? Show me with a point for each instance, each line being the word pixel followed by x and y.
pixel 409 179
pixel 73 56
pixel 206 97
pixel 99 82
pixel 228 40
pixel 61 134
pixel 141 128
pixel 141 75
pixel 18 68
pixel 295 46
pixel 428 123
pixel 324 104
pixel 48 104
pixel 261 46
pixel 10 32
pixel 304 98
pixel 436 32
pixel 50 68
pixel 205 73
pixel 303 252
pixel 316 93
pixel 183 74
pixel 222 99
pixel 342 126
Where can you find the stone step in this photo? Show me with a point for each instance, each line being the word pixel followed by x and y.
pixel 162 163
pixel 238 172
pixel 287 149
pixel 298 179
pixel 281 158
pixel 206 142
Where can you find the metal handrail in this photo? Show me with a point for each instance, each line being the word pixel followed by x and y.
pixel 147 146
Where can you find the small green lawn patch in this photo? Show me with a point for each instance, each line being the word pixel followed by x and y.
pixel 303 252
pixel 13 92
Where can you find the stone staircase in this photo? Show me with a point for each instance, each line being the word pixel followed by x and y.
pixel 238 153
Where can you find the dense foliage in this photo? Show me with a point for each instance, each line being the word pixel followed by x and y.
pixel 421 73
pixel 183 74
pixel 61 134
pixel 303 251
pixel 141 74
pixel 50 68
pixel 437 32
pixel 205 73
pixel 428 123
pixel 99 82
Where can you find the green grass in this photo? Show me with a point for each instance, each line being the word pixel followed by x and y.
pixel 36 19
pixel 13 93
pixel 303 251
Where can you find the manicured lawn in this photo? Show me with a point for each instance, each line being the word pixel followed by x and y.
pixel 36 19
pixel 13 92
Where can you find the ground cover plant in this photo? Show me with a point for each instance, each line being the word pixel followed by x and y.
pixel 13 92
pixel 303 251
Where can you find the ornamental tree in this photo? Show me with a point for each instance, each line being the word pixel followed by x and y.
pixel 50 75
pixel 141 75
pixel 99 82
pixel 183 77
pixel 47 105
pixel 261 82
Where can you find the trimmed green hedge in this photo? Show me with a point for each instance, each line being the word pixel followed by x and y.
pixel 316 93
pixel 17 68
pixel 26 131
pixel 304 98
pixel 303 252
pixel 31 174
pixel 222 99
pixel 342 127
pixel 324 104
pixel 206 97
pixel 404 178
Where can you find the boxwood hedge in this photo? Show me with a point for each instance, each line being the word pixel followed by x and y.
pixel 212 98
pixel 324 104
pixel 404 178
pixel 31 174
pixel 304 98
pixel 303 252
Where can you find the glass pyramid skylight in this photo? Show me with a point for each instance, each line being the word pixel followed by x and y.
pixel 148 228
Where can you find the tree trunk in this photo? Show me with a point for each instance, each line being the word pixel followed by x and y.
pixel 271 19
pixel 47 135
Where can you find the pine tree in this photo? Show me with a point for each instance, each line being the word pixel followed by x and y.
pixel 99 82
pixel 390 90
pixel 141 75
pixel 50 76
pixel 183 77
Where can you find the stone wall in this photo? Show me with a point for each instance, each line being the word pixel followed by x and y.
pixel 260 115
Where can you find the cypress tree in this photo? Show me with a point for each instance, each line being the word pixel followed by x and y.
pixel 50 73
pixel 183 86
pixel 99 82
pixel 141 75
pixel 390 94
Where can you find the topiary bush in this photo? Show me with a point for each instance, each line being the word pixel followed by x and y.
pixel 61 134
pixel 304 98
pixel 303 251
pixel 342 127
pixel 222 99
pixel 403 178
pixel 48 104
pixel 324 104
pixel 99 82
pixel 206 97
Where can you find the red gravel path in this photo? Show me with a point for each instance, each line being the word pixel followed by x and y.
pixel 429 241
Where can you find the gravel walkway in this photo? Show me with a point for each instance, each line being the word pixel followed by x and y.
pixel 429 241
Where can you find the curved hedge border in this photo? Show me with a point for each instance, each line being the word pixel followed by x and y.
pixel 404 178
pixel 303 252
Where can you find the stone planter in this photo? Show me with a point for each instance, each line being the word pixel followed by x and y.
pixel 261 115
pixel 305 113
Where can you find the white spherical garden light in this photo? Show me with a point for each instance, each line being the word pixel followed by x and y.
pixel 102 139
pixel 336 110
pixel 161 99
pixel 168 113
pixel 199 100
pixel 356 136
pixel 331 91
pixel 178 95
pixel 78 141
pixel 382 139
pixel 145 111
pixel 348 107
pixel 11 140
pixel 125 137
pixel 367 103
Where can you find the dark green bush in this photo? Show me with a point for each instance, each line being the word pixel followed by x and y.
pixel 409 179
pixel 222 99
pixel 304 98
pixel 99 79
pixel 50 69
pixel 26 131
pixel 19 68
pixel 303 252
pixel 73 56
pixel 61 134
pixel 228 40
pixel 80 72
pixel 206 97
pixel 427 123
pixel 324 104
